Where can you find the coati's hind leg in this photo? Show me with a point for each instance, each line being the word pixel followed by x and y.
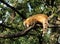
pixel 45 26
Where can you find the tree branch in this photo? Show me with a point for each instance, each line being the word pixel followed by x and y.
pixel 14 9
pixel 22 33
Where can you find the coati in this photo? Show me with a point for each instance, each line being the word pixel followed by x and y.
pixel 41 18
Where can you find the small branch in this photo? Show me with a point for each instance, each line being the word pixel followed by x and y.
pixel 53 25
pixel 14 9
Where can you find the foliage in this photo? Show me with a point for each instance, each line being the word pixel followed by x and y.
pixel 28 8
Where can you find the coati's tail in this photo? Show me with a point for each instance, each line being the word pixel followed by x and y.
pixel 51 16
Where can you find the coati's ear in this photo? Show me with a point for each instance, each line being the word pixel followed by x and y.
pixel 24 22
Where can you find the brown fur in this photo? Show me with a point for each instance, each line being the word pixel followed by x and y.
pixel 42 18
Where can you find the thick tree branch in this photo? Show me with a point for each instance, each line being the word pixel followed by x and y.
pixel 22 33
pixel 14 9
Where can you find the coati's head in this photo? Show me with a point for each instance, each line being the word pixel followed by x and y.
pixel 26 23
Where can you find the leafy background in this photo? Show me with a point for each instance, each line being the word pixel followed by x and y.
pixel 28 8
